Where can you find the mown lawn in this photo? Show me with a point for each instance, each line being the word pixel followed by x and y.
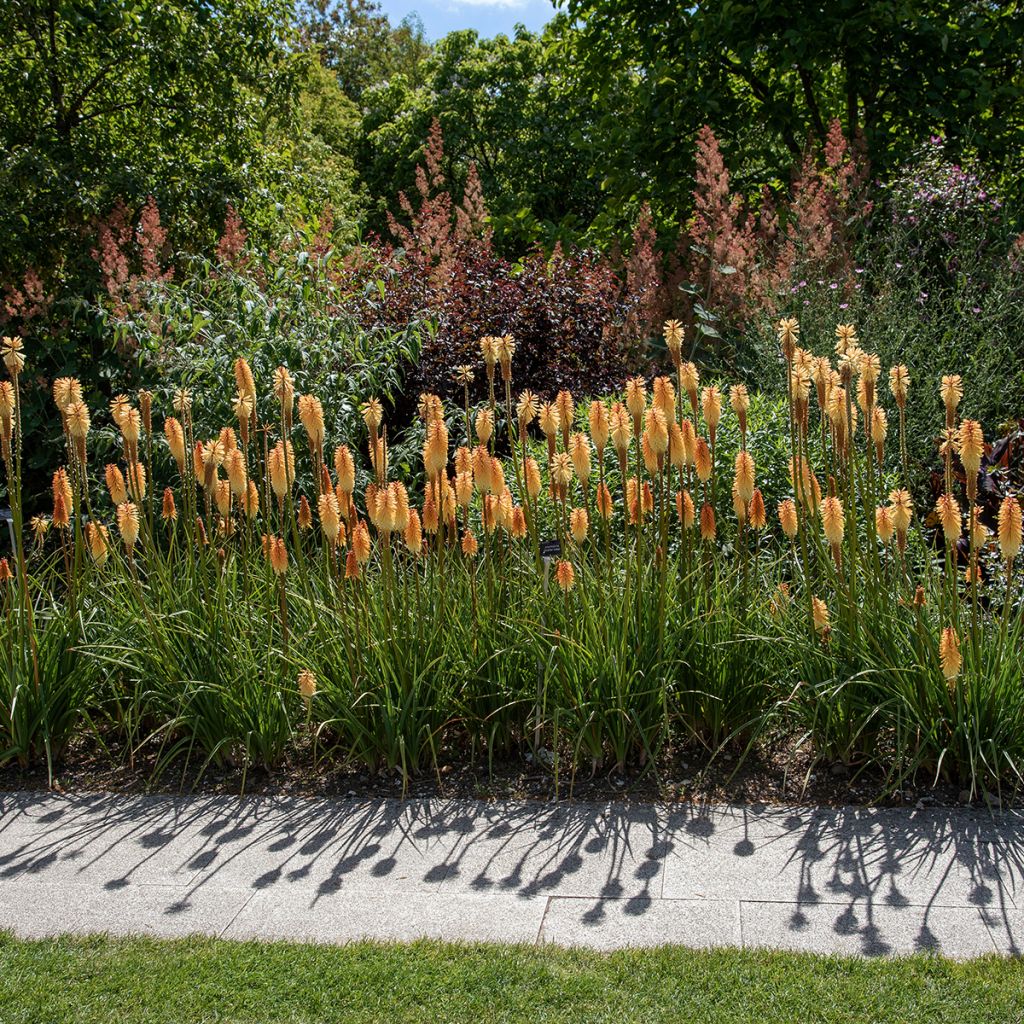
pixel 126 981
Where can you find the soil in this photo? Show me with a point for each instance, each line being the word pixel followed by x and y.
pixel 778 772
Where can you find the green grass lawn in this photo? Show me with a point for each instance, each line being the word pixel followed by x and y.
pixel 132 980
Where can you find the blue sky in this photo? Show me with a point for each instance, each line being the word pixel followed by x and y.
pixel 488 17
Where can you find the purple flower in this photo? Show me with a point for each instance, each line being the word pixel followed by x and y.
pixel 976 309
pixel 833 286
pixel 844 305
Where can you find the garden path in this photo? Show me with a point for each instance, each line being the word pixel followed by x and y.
pixel 850 880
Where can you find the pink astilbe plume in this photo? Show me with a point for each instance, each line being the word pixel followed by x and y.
pixel 232 242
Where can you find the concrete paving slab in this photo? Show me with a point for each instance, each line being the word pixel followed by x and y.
pixel 1007 930
pixel 615 924
pixel 865 930
pixel 825 856
pixel 41 911
pixel 346 917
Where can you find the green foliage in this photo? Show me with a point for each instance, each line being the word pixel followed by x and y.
pixel 769 76
pixel 508 105
pixel 100 100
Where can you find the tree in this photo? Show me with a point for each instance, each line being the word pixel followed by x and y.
pixel 770 75
pixel 99 100
pixel 505 105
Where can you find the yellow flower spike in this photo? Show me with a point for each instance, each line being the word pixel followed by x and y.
pixel 971 448
pixel 13 355
pixel 664 398
pixel 526 409
pixel 884 525
pixel 1009 528
pixel 673 334
pixel 879 430
pixel 533 480
pixel 145 410
pixel 708 530
pixel 251 502
pixel 702 460
pixel 605 506
pixel 464 489
pixel 244 381
pixel 979 535
pixel 435 449
pixel 899 384
pixel 482 475
pixel 182 402
pixel 489 351
pixel 284 389
pixel 948 511
pixel 97 537
pixel 311 415
pixel 739 506
pixel 128 523
pixel 484 426
pixel 566 410
pixel 361 542
pixel 277 555
pixel 329 515
pixel 600 429
pixel 518 528
pixel 579 524
pixel 951 390
pixel 115 484
pixel 820 615
pixel 307 685
pixel 431 516
pixel 373 414
pixel 739 399
pixel 833 522
pixel 305 513
pixel 237 475
pixel 565 575
pixel 902 509
pixel 168 511
pixel 788 332
pixel 621 428
pixel 949 654
pixel 345 468
pixel 497 477
pixel 222 498
pixel 413 534
pixel 657 433
pixel 506 348
pixel 61 487
pixel 788 518
pixel 561 471
pixel 549 421
pixel 846 338
pixel 579 449
pixel 744 475
pixel 689 381
pixel 175 441
pixel 79 420
pixel 470 545
pixel 711 409
pixel 756 512
pixel 636 400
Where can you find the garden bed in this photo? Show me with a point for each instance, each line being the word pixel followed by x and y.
pixel 775 773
